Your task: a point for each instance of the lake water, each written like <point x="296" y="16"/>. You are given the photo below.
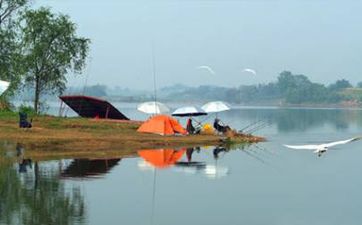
<point x="264" y="183"/>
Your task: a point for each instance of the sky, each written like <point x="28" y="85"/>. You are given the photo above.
<point x="132" y="39"/>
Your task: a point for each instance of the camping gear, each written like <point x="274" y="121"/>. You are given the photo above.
<point x="189" y="111"/>
<point x="161" y="158"/>
<point x="3" y="86"/>
<point x="153" y="108"/>
<point x="207" y="129"/>
<point x="162" y="125"/>
<point x="217" y="106"/>
<point x="91" y="107"/>
<point x="23" y="120"/>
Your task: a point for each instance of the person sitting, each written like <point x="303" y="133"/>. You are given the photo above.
<point x="189" y="127"/>
<point x="220" y="127"/>
<point x="23" y="120"/>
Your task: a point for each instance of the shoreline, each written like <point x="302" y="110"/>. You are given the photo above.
<point x="81" y="135"/>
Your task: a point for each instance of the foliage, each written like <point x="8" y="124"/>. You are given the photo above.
<point x="359" y="85"/>
<point x="10" y="56"/>
<point x="8" y="9"/>
<point x="340" y="84"/>
<point x="289" y="88"/>
<point x="51" y="49"/>
<point x="298" y="89"/>
<point x="40" y="199"/>
<point x="27" y="109"/>
<point x="96" y="90"/>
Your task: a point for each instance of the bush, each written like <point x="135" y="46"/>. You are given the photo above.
<point x="5" y="105"/>
<point x="27" y="109"/>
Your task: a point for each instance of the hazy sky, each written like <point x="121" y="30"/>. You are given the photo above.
<point x="321" y="39"/>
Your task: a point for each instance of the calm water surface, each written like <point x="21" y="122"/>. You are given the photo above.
<point x="259" y="184"/>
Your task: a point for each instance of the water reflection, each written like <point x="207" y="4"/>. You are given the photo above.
<point x="89" y="168"/>
<point x="24" y="163"/>
<point x="182" y="161"/>
<point x="33" y="194"/>
<point x="290" y="119"/>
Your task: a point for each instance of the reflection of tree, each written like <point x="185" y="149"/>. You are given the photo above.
<point x="38" y="199"/>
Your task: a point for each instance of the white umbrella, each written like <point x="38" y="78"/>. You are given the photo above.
<point x="153" y="108"/>
<point x="189" y="111"/>
<point x="217" y="106"/>
<point x="3" y="86"/>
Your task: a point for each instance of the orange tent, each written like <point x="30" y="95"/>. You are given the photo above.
<point x="161" y="158"/>
<point x="163" y="125"/>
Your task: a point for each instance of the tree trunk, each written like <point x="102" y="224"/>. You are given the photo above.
<point x="37" y="94"/>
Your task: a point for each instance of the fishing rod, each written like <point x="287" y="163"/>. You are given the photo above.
<point x="262" y="126"/>
<point x="256" y="126"/>
<point x="250" y="125"/>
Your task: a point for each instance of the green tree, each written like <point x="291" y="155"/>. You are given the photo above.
<point x="51" y="49"/>
<point x="97" y="90"/>
<point x="340" y="84"/>
<point x="9" y="45"/>
<point x="359" y="85"/>
<point x="9" y="9"/>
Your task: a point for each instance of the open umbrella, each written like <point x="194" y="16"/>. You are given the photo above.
<point x="3" y="86"/>
<point x="217" y="106"/>
<point x="189" y="111"/>
<point x="153" y="108"/>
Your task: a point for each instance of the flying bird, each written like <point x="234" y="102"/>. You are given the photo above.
<point x="321" y="148"/>
<point x="208" y="68"/>
<point x="250" y="71"/>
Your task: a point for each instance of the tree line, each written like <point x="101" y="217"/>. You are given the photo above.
<point x="289" y="88"/>
<point x="37" y="49"/>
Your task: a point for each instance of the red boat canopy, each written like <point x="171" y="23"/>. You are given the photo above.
<point x="91" y="107"/>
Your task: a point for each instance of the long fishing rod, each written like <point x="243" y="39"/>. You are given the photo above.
<point x="256" y="126"/>
<point x="259" y="127"/>
<point x="154" y="75"/>
<point x="250" y="125"/>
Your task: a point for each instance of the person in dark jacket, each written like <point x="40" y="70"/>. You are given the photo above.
<point x="220" y="127"/>
<point x="189" y="127"/>
<point x="23" y="120"/>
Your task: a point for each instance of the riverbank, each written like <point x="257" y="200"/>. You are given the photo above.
<point x="84" y="135"/>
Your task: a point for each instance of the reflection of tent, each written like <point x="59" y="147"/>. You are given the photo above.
<point x="89" y="168"/>
<point x="161" y="158"/>
<point x="163" y="125"/>
<point x="91" y="107"/>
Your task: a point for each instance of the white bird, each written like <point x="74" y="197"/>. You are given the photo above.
<point x="321" y="148"/>
<point x="249" y="71"/>
<point x="208" y="68"/>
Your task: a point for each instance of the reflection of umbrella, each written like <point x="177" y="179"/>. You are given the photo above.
<point x="153" y="108"/>
<point x="217" y="106"/>
<point x="214" y="171"/>
<point x="189" y="111"/>
<point x="161" y="158"/>
<point x="3" y="86"/>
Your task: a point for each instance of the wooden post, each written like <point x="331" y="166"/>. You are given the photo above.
<point x="107" y="112"/>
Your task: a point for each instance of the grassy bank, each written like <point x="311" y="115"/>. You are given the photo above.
<point x="80" y="135"/>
